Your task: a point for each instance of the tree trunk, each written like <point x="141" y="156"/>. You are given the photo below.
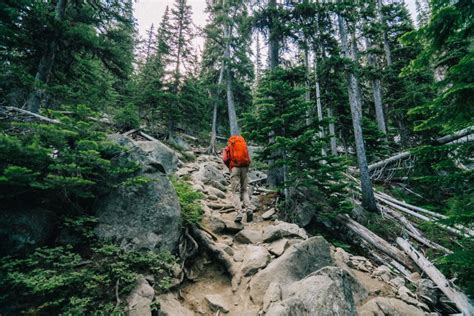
<point x="319" y="106"/>
<point x="377" y="93"/>
<point x="458" y="298"/>
<point x="234" y="127"/>
<point x="212" y="145"/>
<point x="332" y="132"/>
<point x="273" y="44"/>
<point x="275" y="174"/>
<point x="368" y="199"/>
<point x="46" y="64"/>
<point x="307" y="92"/>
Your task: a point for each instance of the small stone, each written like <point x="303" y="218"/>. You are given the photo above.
<point x="283" y="229"/>
<point x="228" y="249"/>
<point x="278" y="247"/>
<point x="239" y="256"/>
<point x="359" y="258"/>
<point x="256" y="257"/>
<point x="214" y="223"/>
<point x="233" y="227"/>
<point x="397" y="282"/>
<point x="216" y="192"/>
<point x="217" y="303"/>
<point x="249" y="236"/>
<point x="268" y="214"/>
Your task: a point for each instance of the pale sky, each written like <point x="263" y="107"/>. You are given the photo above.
<point x="151" y="11"/>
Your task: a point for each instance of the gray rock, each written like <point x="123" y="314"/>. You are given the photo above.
<point x="155" y="157"/>
<point x="397" y="282"/>
<point x="268" y="214"/>
<point x="140" y="299"/>
<point x="214" y="223"/>
<point x="304" y="212"/>
<point x="407" y="296"/>
<point x="216" y="192"/>
<point x="160" y="152"/>
<point x="170" y="306"/>
<point x="297" y="262"/>
<point x="325" y="292"/>
<point x="272" y="295"/>
<point x="255" y="258"/>
<point x="249" y="236"/>
<point x="217" y="303"/>
<point x="145" y="218"/>
<point x="208" y="174"/>
<point x="233" y="227"/>
<point x="282" y="230"/>
<point x="22" y="231"/>
<point x="278" y="247"/>
<point x="388" y="306"/>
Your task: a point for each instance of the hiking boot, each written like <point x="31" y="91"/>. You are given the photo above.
<point x="249" y="216"/>
<point x="238" y="218"/>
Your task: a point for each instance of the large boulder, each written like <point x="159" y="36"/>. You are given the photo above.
<point x="143" y="217"/>
<point x="296" y="263"/>
<point x="327" y="291"/>
<point x="171" y="306"/>
<point x="160" y="152"/>
<point x="22" y="231"/>
<point x="150" y="154"/>
<point x="255" y="258"/>
<point x="381" y="306"/>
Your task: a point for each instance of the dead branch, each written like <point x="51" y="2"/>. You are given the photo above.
<point x="461" y="301"/>
<point x="34" y="115"/>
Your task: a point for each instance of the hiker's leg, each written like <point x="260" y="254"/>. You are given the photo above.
<point x="235" y="188"/>
<point x="244" y="182"/>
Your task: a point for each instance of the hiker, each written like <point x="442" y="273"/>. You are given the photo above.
<point x="236" y="158"/>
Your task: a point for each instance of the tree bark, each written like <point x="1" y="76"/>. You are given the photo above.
<point x="377" y="92"/>
<point x="234" y="127"/>
<point x="458" y="298"/>
<point x="319" y="106"/>
<point x="212" y="145"/>
<point x="46" y="64"/>
<point x="332" y="132"/>
<point x="368" y="199"/>
<point x="273" y="44"/>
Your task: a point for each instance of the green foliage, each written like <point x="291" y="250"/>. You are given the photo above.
<point x="59" y="166"/>
<point x="280" y="108"/>
<point x="189" y="200"/>
<point x="127" y="118"/>
<point x="59" y="280"/>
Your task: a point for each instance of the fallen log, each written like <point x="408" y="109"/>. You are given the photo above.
<point x="35" y="115"/>
<point x="413" y="207"/>
<point x="376" y="241"/>
<point x="257" y="180"/>
<point x="422" y="217"/>
<point x="429" y="243"/>
<point x="464" y="133"/>
<point x="457" y="297"/>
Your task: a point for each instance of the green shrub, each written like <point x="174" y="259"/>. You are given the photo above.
<point x="59" y="166"/>
<point x="127" y="118"/>
<point x="59" y="280"/>
<point x="189" y="200"/>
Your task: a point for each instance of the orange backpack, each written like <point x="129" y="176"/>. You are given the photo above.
<point x="239" y="153"/>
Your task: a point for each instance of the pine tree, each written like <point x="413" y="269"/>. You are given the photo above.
<point x="180" y="57"/>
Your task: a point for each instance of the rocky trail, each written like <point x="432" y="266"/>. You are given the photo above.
<point x="271" y="267"/>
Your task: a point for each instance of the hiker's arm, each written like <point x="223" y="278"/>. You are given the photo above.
<point x="226" y="157"/>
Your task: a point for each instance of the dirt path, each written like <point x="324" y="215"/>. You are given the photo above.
<point x="211" y="291"/>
